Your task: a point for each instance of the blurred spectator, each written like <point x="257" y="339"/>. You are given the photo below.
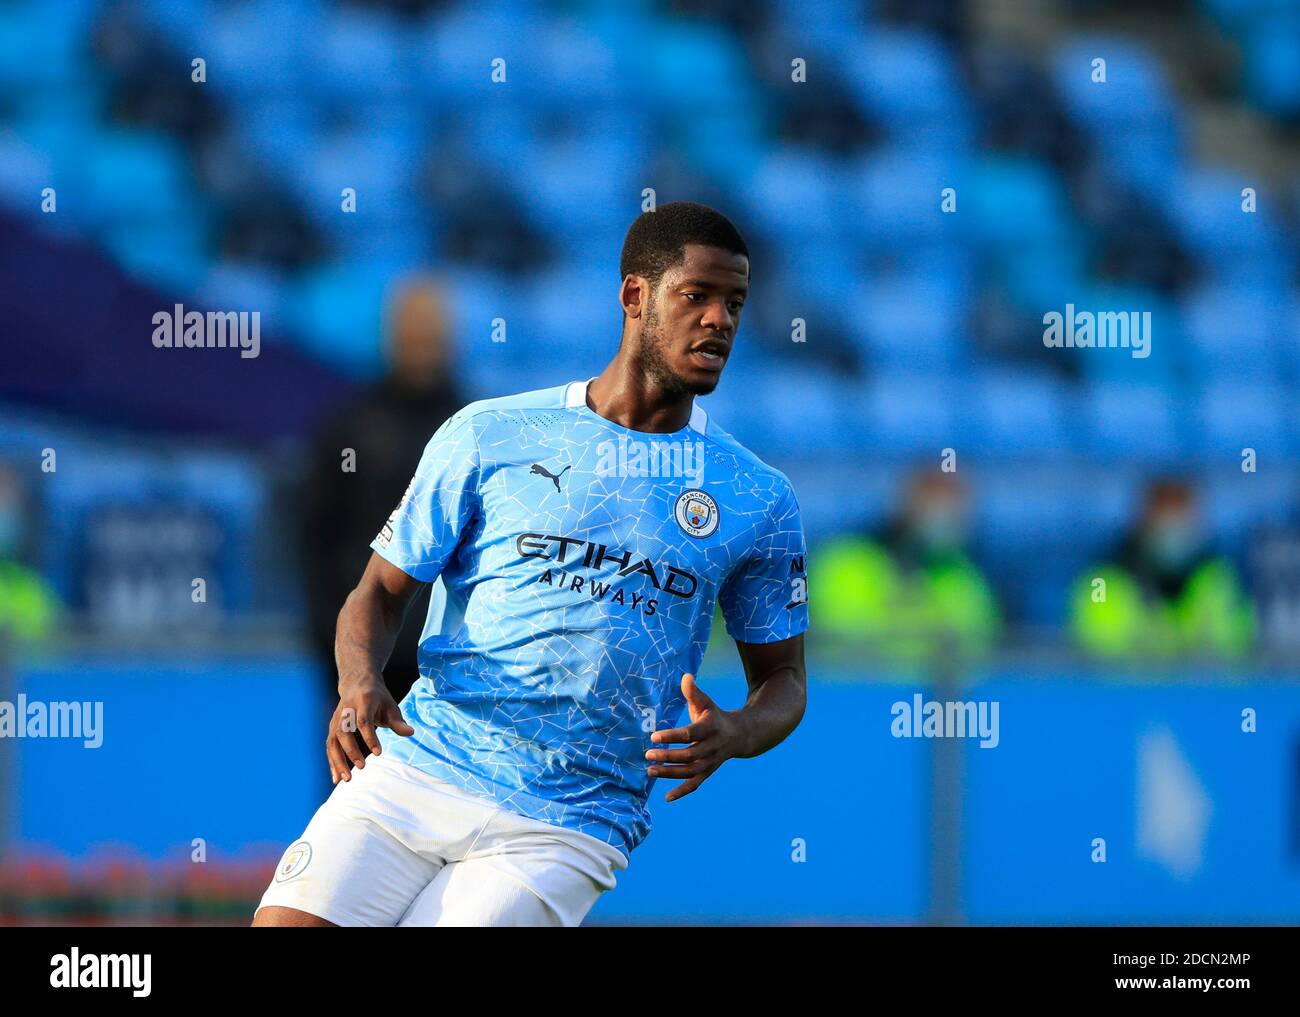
<point x="912" y="591"/>
<point x="1275" y="571"/>
<point x="27" y="604"/>
<point x="1164" y="591"/>
<point x="387" y="427"/>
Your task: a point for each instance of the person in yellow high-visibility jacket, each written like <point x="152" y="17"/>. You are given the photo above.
<point x="911" y="592"/>
<point x="27" y="604"/>
<point x="1164" y="593"/>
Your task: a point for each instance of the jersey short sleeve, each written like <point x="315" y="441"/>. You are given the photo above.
<point x="440" y="503"/>
<point x="765" y="599"/>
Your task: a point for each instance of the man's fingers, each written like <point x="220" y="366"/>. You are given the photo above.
<point x="696" y="769"/>
<point x="339" y="768"/>
<point x="683" y="790"/>
<point x="361" y="717"/>
<point x="690" y="733"/>
<point x="370" y="737"/>
<point x="347" y="741"/>
<point x="677" y="755"/>
<point x="393" y="719"/>
<point x="390" y="716"/>
<point x="695" y="695"/>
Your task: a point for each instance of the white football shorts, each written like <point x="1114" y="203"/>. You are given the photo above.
<point x="394" y="846"/>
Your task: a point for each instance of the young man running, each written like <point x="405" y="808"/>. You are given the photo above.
<point x="578" y="538"/>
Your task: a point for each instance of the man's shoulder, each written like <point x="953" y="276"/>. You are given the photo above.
<point x="498" y="407"/>
<point x="729" y="452"/>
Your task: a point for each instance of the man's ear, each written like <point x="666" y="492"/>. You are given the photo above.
<point x="632" y="295"/>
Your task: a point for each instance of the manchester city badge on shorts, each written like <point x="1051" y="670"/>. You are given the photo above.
<point x="295" y="859"/>
<point x="696" y="512"/>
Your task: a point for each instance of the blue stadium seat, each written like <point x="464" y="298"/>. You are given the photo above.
<point x="909" y="81"/>
<point x="1288" y="345"/>
<point x="573" y="309"/>
<point x="1235" y="506"/>
<point x="1014" y="212"/>
<point x="908" y="322"/>
<point x="779" y="408"/>
<point x="799" y="197"/>
<point x="1010" y="202"/>
<point x="529" y="357"/>
<point x="1167" y="346"/>
<point x="907" y="415"/>
<point x="1133" y="113"/>
<point x="61" y="145"/>
<point x="1234" y="12"/>
<point x="456" y="55"/>
<point x="585" y="186"/>
<point x="503" y="136"/>
<point x="1272" y="58"/>
<point x="829" y="29"/>
<point x="259" y="48"/>
<point x="181" y="23"/>
<point x="359" y="56"/>
<point x="569" y="65"/>
<point x="248" y="286"/>
<point x="171" y="254"/>
<point x="40" y="44"/>
<point x="338" y="314"/>
<point x="684" y="67"/>
<point x="1234" y="416"/>
<point x="1134" y="94"/>
<point x="132" y="175"/>
<point x="25" y="169"/>
<point x="895" y="197"/>
<point x="1132" y="422"/>
<point x="1205" y="207"/>
<point x="283" y="134"/>
<point x="1042" y="276"/>
<point x="1236" y="332"/>
<point x="808" y="282"/>
<point x="1022" y="415"/>
<point x="379" y="167"/>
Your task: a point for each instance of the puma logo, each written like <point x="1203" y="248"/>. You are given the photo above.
<point x="542" y="471"/>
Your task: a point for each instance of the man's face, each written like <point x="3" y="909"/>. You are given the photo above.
<point x="691" y="320"/>
<point x="936" y="513"/>
<point x="1172" y="535"/>
<point x="418" y="338"/>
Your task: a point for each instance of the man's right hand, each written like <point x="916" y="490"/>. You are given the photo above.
<point x="363" y="706"/>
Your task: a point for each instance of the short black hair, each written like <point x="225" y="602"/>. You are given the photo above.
<point x="655" y="242"/>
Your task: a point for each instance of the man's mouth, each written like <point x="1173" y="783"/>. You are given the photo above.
<point x="710" y="356"/>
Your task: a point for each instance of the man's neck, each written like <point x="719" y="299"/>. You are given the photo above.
<point x="622" y="394"/>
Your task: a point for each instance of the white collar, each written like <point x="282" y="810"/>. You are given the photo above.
<point x="575" y="394"/>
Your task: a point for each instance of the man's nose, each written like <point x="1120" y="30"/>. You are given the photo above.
<point x="717" y="316"/>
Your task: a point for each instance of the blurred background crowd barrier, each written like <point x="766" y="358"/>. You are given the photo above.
<point x="424" y="203"/>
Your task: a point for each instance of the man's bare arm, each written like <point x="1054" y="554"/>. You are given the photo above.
<point x="370" y="620"/>
<point x="778" y="692"/>
<point x="775" y="705"/>
<point x="367" y="629"/>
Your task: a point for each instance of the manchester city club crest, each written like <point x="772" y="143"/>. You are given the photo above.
<point x="294" y="861"/>
<point x="697" y="513"/>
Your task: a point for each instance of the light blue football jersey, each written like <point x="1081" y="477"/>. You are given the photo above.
<point x="576" y="566"/>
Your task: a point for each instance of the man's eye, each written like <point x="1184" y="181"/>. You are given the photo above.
<point x="692" y="296"/>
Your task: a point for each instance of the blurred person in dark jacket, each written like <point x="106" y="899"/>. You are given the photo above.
<point x="348" y="497"/>
<point x="1164" y="591"/>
